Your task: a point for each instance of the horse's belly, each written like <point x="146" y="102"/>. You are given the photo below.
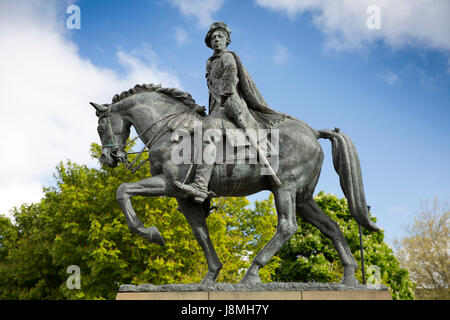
<point x="238" y="180"/>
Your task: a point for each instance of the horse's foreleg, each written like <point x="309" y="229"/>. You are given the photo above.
<point x="286" y="228"/>
<point x="196" y="218"/>
<point x="311" y="212"/>
<point x="155" y="186"/>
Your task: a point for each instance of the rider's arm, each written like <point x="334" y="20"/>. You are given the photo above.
<point x="229" y="77"/>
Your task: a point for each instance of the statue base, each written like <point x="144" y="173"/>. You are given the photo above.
<point x="262" y="291"/>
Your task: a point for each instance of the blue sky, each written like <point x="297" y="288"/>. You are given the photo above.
<point x="387" y="88"/>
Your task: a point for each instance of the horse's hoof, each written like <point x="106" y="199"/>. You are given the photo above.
<point x="251" y="279"/>
<point x="207" y="280"/>
<point x="152" y="235"/>
<point x="211" y="276"/>
<point x="349" y="277"/>
<point x="157" y="237"/>
<point x="349" y="280"/>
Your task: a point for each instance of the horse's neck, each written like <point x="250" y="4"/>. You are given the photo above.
<point x="152" y="111"/>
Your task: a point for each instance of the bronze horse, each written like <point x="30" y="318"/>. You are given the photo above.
<point x="152" y="109"/>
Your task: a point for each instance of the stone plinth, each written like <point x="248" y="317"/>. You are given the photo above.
<point x="263" y="291"/>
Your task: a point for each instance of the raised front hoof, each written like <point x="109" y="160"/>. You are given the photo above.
<point x="251" y="279"/>
<point x="151" y="234"/>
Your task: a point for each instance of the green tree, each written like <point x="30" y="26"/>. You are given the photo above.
<point x="310" y="256"/>
<point x="78" y="222"/>
<point x="425" y="251"/>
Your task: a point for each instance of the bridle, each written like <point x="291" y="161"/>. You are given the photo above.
<point x="113" y="144"/>
<point x="148" y="145"/>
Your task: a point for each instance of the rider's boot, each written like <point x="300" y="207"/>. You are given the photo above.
<point x="198" y="189"/>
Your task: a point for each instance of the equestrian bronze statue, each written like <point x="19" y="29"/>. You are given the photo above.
<point x="167" y="118"/>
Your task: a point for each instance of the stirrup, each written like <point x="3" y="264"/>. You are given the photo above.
<point x="201" y="199"/>
<point x="198" y="195"/>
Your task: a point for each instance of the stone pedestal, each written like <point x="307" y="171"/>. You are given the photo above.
<point x="264" y="291"/>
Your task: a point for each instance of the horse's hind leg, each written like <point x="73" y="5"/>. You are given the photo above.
<point x="155" y="186"/>
<point x="310" y="211"/>
<point x="286" y="228"/>
<point x="196" y="217"/>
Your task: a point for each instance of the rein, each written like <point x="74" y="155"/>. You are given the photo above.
<point x="148" y="145"/>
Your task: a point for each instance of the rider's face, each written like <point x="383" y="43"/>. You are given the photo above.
<point x="218" y="41"/>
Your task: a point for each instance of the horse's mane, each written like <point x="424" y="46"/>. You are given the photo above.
<point x="182" y="96"/>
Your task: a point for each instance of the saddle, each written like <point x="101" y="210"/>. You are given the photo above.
<point x="232" y="144"/>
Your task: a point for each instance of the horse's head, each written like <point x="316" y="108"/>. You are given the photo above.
<point x="113" y="131"/>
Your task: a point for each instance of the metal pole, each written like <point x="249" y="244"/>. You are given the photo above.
<point x="362" y="254"/>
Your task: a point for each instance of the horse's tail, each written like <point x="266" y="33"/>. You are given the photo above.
<point x="346" y="163"/>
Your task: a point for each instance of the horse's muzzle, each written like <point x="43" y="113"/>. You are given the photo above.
<point x="108" y="159"/>
<point x="120" y="155"/>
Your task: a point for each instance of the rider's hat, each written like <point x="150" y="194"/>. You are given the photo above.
<point x="217" y="26"/>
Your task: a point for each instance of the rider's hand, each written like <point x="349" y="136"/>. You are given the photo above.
<point x="225" y="97"/>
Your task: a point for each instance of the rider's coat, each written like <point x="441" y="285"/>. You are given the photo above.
<point x="222" y="79"/>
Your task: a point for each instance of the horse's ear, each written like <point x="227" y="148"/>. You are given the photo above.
<point x="99" y="107"/>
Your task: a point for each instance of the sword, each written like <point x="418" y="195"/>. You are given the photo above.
<point x="233" y="112"/>
<point x="262" y="156"/>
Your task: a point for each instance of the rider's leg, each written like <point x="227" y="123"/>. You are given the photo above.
<point x="198" y="189"/>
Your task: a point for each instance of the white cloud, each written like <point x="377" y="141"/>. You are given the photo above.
<point x="390" y="78"/>
<point x="142" y="67"/>
<point x="290" y="7"/>
<point x="403" y="22"/>
<point x="45" y="87"/>
<point x="181" y="36"/>
<point x="281" y="54"/>
<point x="202" y="10"/>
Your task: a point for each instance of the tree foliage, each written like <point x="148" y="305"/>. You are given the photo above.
<point x="425" y="251"/>
<point x="310" y="256"/>
<point x="78" y="222"/>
